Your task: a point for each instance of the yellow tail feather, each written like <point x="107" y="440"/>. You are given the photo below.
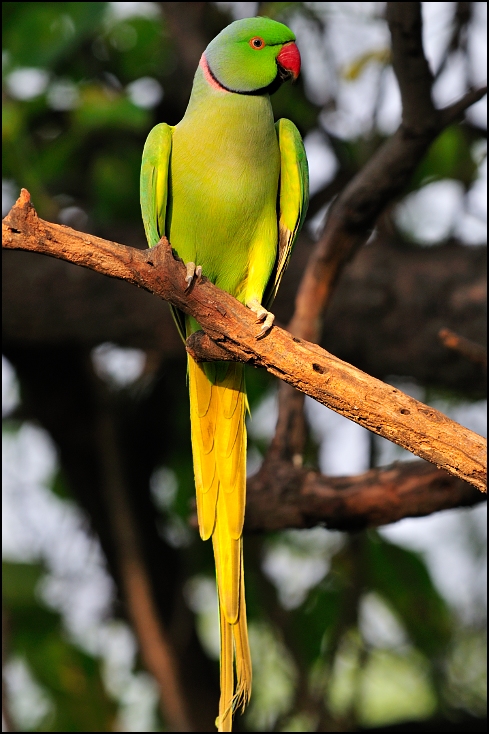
<point x="224" y="721"/>
<point x="242" y="647"/>
<point x="217" y="410"/>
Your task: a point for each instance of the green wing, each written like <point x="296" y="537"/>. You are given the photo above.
<point x="292" y="201"/>
<point x="154" y="185"/>
<point x="154" y="182"/>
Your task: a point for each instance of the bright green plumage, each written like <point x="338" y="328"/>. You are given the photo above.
<point x="229" y="189"/>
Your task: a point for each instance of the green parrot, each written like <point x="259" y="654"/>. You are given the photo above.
<point x="229" y="189"/>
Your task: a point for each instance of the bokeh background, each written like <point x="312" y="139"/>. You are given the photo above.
<point x="348" y="631"/>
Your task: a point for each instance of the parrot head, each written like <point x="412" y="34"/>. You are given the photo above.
<point x="251" y="56"/>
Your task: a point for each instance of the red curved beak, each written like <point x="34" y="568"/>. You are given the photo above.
<point x="289" y="59"/>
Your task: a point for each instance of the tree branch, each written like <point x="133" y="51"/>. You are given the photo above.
<point x="379" y="319"/>
<point x="282" y="496"/>
<point x="454" y="112"/>
<point x="379" y="407"/>
<point x="353" y="214"/>
<point x="411" y="67"/>
<point x="475" y="352"/>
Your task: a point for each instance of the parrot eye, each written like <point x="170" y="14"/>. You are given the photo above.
<point x="257" y="42"/>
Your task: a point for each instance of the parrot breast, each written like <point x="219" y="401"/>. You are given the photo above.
<point x="224" y="173"/>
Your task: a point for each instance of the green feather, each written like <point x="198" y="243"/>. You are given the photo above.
<point x="154" y="182"/>
<point x="292" y="201"/>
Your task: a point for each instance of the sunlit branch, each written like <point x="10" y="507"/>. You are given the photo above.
<point x="381" y="408"/>
<point x="355" y="211"/>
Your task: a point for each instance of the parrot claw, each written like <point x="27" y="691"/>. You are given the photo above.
<point x="193" y="275"/>
<point x="263" y="317"/>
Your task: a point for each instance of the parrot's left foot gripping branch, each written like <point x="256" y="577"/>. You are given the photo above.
<point x="194" y="274"/>
<point x="263" y="317"/>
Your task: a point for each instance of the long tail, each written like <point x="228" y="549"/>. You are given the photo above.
<point x="217" y="412"/>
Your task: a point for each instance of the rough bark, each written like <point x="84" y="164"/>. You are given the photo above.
<point x="384" y="316"/>
<point x="381" y="408"/>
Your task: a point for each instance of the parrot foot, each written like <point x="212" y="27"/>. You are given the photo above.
<point x="263" y="317"/>
<point x="193" y="275"/>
